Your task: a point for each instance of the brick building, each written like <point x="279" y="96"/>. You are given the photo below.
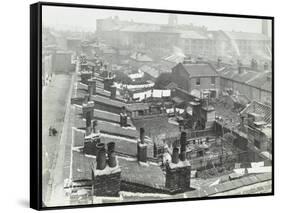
<point x="197" y="78"/>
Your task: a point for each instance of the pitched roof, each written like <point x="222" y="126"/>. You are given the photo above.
<point x="117" y="130"/>
<point x="81" y="167"/>
<point x="252" y="78"/>
<point x="149" y="174"/>
<point x="137" y="106"/>
<point x="131" y="170"/>
<point x="200" y="70"/>
<point x="108" y="101"/>
<point x="150" y="70"/>
<point x="259" y="108"/>
<point x="142" y="57"/>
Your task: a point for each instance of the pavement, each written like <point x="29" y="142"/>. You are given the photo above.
<point x="54" y="105"/>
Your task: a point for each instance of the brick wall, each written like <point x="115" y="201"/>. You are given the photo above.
<point x="178" y="179"/>
<point x="107" y="185"/>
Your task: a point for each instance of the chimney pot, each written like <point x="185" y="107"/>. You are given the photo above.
<point x="113" y="90"/>
<point x="92" y="85"/>
<point x="175" y="155"/>
<point x="101" y="158"/>
<point x="142" y="135"/>
<point x="183" y="146"/>
<point x="111" y="154"/>
<point x="123" y="117"/>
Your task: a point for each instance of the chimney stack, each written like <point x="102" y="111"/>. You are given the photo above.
<point x="92" y="85"/>
<point x="142" y="147"/>
<point x="113" y="91"/>
<point x="175" y="155"/>
<point x="183" y="146"/>
<point x="106" y="178"/>
<point x="101" y="158"/>
<point x="123" y="117"/>
<point x="86" y="99"/>
<point x="85" y="76"/>
<point x="142" y="135"/>
<point x="111" y="155"/>
<point x="177" y="174"/>
<point x="108" y="82"/>
<point x="88" y="113"/>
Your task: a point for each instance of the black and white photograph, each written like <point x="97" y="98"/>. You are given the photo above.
<point x="151" y="106"/>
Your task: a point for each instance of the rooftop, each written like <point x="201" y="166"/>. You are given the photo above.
<point x="262" y="109"/>
<point x="108" y="101"/>
<point x="200" y="70"/>
<point x="141" y="57"/>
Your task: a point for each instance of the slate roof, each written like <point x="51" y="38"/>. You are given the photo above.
<point x="108" y="101"/>
<point x="137" y="106"/>
<point x="149" y="175"/>
<point x="81" y="167"/>
<point x="150" y="70"/>
<point x="200" y="70"/>
<point x="116" y="129"/>
<point x="260" y="80"/>
<point x="78" y="137"/>
<point x="230" y="186"/>
<point x="131" y="171"/>
<point x="259" y="108"/>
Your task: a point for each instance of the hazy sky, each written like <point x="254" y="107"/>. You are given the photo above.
<point x="85" y="19"/>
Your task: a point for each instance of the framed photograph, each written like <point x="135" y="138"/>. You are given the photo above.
<point x="134" y="105"/>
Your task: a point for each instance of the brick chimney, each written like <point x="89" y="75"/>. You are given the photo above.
<point x="92" y="85"/>
<point x="88" y="113"/>
<point x="108" y="82"/>
<point x="183" y="146"/>
<point x="101" y="156"/>
<point x="91" y="141"/>
<point x="111" y="155"/>
<point x="266" y="66"/>
<point x="85" y="76"/>
<point x="178" y="173"/>
<point x="142" y="148"/>
<point x="123" y="117"/>
<point x="106" y="176"/>
<point x="113" y="91"/>
<point x="86" y="99"/>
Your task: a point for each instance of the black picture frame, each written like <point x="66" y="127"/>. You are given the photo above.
<point x="36" y="102"/>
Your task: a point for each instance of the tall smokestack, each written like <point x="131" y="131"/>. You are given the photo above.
<point x="264" y="26"/>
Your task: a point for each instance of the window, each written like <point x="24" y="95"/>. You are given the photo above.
<point x="197" y="81"/>
<point x="213" y="80"/>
